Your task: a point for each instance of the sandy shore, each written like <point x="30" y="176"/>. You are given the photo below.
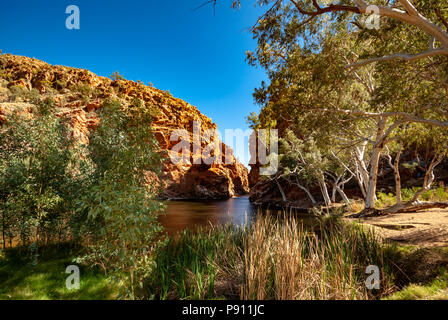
<point x="424" y="229"/>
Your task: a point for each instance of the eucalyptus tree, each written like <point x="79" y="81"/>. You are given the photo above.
<point x="304" y="164"/>
<point x="434" y="141"/>
<point x="326" y="46"/>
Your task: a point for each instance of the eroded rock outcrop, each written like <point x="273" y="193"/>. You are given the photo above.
<point x="79" y="95"/>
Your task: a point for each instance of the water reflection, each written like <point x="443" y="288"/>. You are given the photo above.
<point x="192" y="214"/>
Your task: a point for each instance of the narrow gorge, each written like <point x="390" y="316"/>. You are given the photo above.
<point x="79" y="96"/>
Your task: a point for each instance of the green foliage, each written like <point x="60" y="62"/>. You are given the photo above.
<point x="39" y="177"/>
<point x="385" y="200"/>
<point x="84" y="90"/>
<point x="313" y="92"/>
<point x="302" y="157"/>
<point x="17" y="92"/>
<point x="53" y="189"/>
<point x="439" y="194"/>
<point x="116" y="76"/>
<point x="188" y="267"/>
<point x="425" y="274"/>
<point x="120" y="211"/>
<point x="252" y="120"/>
<point x="436" y="290"/>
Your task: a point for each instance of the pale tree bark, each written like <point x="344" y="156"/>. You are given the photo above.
<point x="324" y="190"/>
<point x="410" y="16"/>
<point x="339" y="182"/>
<point x="281" y="191"/>
<point x="362" y="173"/>
<point x="381" y="140"/>
<point x="343" y="195"/>
<point x="374" y="163"/>
<point x="395" y="166"/>
<point x="308" y="193"/>
<point x="296" y="181"/>
<point x="429" y="178"/>
<point x="279" y="186"/>
<point x="414" y="204"/>
<point x="338" y="187"/>
<point x="306" y="190"/>
<point x="359" y="179"/>
<point x="319" y="176"/>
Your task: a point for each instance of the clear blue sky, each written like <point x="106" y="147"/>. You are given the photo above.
<point x="198" y="55"/>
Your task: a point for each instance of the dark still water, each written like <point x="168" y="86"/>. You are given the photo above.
<point x="192" y="214"/>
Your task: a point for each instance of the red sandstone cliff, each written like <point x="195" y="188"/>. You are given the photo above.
<point x="79" y="94"/>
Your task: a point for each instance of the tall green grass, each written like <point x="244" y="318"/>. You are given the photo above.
<point x="288" y="260"/>
<point x="272" y="259"/>
<point x="189" y="265"/>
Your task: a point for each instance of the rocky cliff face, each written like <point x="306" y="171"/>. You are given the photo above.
<point x="79" y="95"/>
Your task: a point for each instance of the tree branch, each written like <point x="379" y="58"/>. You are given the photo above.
<point x="409" y="7"/>
<point x="320" y="11"/>
<point x="414" y="19"/>
<point x="406" y="116"/>
<point x="444" y="21"/>
<point x="410" y="16"/>
<point x="402" y="56"/>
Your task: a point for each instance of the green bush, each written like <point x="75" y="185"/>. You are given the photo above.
<point x="39" y="177"/>
<point x="116" y="76"/>
<point x="119" y="214"/>
<point x="17" y="92"/>
<point x="438" y="194"/>
<point x="54" y="189"/>
<point x="385" y="200"/>
<point x="85" y="91"/>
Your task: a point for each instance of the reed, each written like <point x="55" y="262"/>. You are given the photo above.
<point x="287" y="261"/>
<point x="274" y="258"/>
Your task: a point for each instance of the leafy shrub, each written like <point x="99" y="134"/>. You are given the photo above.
<point x="17" y="92"/>
<point x="116" y="76"/>
<point x="38" y="177"/>
<point x="84" y="90"/>
<point x="119" y="214"/>
<point x="438" y="194"/>
<point x="53" y="189"/>
<point x="60" y="84"/>
<point x="385" y="200"/>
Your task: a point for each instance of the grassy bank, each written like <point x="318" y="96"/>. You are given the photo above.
<point x="437" y="289"/>
<point x="272" y="259"/>
<point x="23" y="278"/>
<point x="425" y="275"/>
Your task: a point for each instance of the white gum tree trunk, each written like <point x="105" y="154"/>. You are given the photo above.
<point x="374" y="163"/>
